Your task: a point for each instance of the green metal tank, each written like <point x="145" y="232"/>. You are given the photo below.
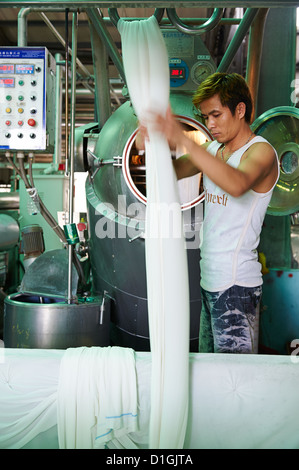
<point x="116" y="204"/>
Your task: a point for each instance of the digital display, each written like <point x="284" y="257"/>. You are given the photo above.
<point x="7" y="82"/>
<point x="7" y="68"/>
<point x="177" y="72"/>
<point x="25" y="68"/>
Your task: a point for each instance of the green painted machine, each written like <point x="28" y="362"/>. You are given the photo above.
<point x="104" y="274"/>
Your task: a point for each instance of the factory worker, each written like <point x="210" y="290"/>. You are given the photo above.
<point x="240" y="171"/>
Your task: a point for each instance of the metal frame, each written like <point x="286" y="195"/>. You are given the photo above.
<point x="155" y="4"/>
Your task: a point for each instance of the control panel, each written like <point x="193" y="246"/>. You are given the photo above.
<point x="27" y="109"/>
<point x="190" y="61"/>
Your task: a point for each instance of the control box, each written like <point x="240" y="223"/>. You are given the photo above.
<point x="27" y="93"/>
<point x="190" y="61"/>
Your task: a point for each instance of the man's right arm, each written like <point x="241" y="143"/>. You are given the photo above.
<point x="184" y="167"/>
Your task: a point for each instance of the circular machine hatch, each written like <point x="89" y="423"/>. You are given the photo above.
<point x="134" y="165"/>
<point x="280" y="126"/>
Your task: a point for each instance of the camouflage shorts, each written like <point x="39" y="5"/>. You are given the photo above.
<point x="229" y="321"/>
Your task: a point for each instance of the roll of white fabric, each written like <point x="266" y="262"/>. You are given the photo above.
<point x="147" y="74"/>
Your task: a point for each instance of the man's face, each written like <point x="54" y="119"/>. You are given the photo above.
<point x="219" y="119"/>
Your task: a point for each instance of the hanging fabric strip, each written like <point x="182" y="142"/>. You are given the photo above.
<point x="147" y="74"/>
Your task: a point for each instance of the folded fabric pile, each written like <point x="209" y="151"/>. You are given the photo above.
<point x="97" y="398"/>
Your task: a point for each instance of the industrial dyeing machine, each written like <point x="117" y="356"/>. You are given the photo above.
<point x="112" y="257"/>
<point x="88" y="289"/>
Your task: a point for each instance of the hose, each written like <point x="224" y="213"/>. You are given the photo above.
<point x="44" y="211"/>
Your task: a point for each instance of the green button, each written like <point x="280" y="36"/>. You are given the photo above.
<point x="8" y="97"/>
<point x="21" y="82"/>
<point x="21" y="98"/>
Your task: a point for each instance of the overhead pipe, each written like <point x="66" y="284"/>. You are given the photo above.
<point x="100" y="27"/>
<point x="52" y="28"/>
<point x="165" y="22"/>
<point x="210" y="24"/>
<point x="22" y="21"/>
<point x="22" y="33"/>
<point x="236" y="41"/>
<point x="153" y="3"/>
<point x="254" y="55"/>
<point x="114" y="16"/>
<point x="101" y="77"/>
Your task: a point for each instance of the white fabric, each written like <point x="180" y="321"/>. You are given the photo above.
<point x="236" y="401"/>
<point x="146" y="68"/>
<point x="28" y="395"/>
<point x="97" y="398"/>
<point x="231" y="231"/>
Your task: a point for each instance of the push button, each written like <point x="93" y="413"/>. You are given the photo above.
<point x="20" y="123"/>
<point x="8" y="110"/>
<point x="31" y="122"/>
<point x="8" y="123"/>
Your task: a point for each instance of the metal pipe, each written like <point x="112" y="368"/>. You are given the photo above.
<point x="254" y="54"/>
<point x="114" y="16"/>
<point x="155" y="3"/>
<point x="210" y="24"/>
<point x="72" y="147"/>
<point x="22" y="26"/>
<point x="101" y="77"/>
<point x="58" y="36"/>
<point x="58" y="112"/>
<point x="236" y="41"/>
<point x="22" y="34"/>
<point x="66" y="96"/>
<point x="99" y="25"/>
<point x="22" y="21"/>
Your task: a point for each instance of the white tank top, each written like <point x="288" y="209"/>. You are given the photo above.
<point x="230" y="232"/>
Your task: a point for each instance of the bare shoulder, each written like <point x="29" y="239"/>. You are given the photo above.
<point x="262" y="160"/>
<point x="262" y="152"/>
<point x="262" y="148"/>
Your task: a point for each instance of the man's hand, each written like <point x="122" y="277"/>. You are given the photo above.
<point x="167" y="125"/>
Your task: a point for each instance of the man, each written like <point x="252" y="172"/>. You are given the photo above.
<point x="240" y="171"/>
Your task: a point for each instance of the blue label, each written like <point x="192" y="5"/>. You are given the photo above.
<point x="22" y="52"/>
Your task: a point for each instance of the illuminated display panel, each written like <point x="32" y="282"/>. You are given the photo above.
<point x="25" y="68"/>
<point x="7" y="68"/>
<point x="7" y="82"/>
<point x="177" y="72"/>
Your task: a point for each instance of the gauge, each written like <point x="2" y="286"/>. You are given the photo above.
<point x="201" y="70"/>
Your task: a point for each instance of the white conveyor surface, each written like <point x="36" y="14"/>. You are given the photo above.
<point x="235" y="402"/>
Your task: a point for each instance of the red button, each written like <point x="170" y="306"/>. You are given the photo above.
<point x="20" y="123"/>
<point x="81" y="226"/>
<point x="31" y="122"/>
<point x="8" y="123"/>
